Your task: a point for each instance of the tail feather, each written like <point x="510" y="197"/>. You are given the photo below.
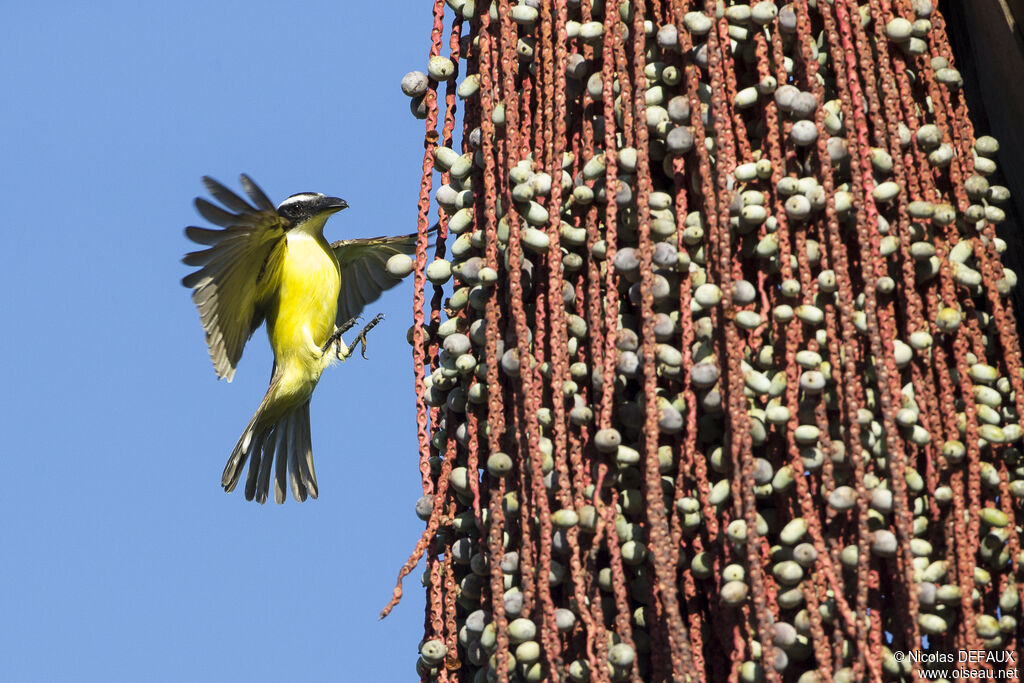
<point x="295" y="439"/>
<point x="304" y="454"/>
<point x="254" y="467"/>
<point x="288" y="439"/>
<point x="245" y="448"/>
<point x="269" y="448"/>
<point x="284" y="442"/>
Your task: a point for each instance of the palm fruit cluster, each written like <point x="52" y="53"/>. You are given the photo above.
<point x="717" y="375"/>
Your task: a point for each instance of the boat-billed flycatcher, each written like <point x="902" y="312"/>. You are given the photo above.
<point x="275" y="265"/>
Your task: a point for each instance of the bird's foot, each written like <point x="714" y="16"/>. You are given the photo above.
<point x="361" y="337"/>
<point x="336" y="337"/>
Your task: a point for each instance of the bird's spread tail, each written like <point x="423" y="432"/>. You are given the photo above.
<point x="289" y="440"/>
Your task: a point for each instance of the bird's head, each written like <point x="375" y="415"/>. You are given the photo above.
<point x="310" y="210"/>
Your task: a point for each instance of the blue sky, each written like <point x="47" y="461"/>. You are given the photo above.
<point x="122" y="557"/>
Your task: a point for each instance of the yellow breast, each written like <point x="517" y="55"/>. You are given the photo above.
<point x="307" y="302"/>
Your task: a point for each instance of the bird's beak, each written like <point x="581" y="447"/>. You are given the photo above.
<point x="333" y="204"/>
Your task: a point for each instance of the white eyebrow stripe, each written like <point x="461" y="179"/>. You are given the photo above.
<point x="300" y="198"/>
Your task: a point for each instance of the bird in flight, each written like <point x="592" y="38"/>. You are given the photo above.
<point x="274" y="265"/>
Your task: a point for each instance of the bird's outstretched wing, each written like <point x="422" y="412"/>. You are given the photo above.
<point x="230" y="287"/>
<point x="363" y="272"/>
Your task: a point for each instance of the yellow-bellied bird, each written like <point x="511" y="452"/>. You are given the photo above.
<point x="275" y="265"/>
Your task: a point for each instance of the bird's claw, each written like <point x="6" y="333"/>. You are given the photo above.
<point x="361" y="337"/>
<point x="336" y="337"/>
